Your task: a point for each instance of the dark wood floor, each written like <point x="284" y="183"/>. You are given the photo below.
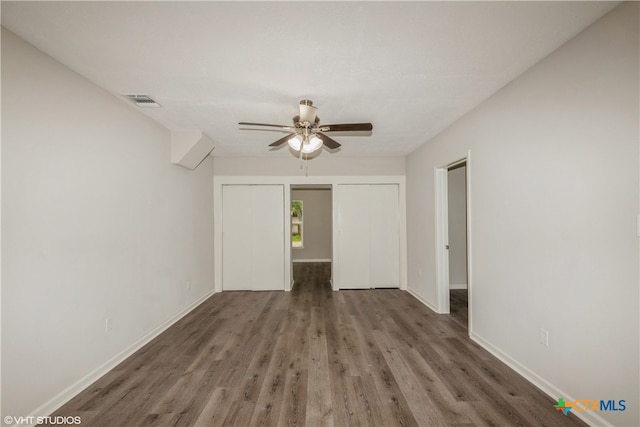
<point x="459" y="306"/>
<point x="313" y="357"/>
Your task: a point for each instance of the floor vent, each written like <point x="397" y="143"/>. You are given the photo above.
<point x="143" y="101"/>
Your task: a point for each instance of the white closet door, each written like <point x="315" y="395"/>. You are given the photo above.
<point x="253" y="237"/>
<point x="268" y="244"/>
<point x="353" y="239"/>
<point x="384" y="236"/>
<point x="236" y="250"/>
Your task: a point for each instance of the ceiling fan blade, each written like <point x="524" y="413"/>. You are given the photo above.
<point x="328" y="142"/>
<point x="269" y="129"/>
<point x="264" y="124"/>
<point x="281" y="140"/>
<point x="347" y="127"/>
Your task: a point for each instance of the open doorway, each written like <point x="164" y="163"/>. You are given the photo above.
<point x="453" y="242"/>
<point x="311" y="235"/>
<point x="457" y="242"/>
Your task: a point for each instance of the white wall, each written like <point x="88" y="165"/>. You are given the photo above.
<point x="96" y="224"/>
<point x="554" y="197"/>
<point x="457" y="208"/>
<point x="317" y="215"/>
<point x="324" y="165"/>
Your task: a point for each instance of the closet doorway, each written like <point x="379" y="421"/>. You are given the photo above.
<point x="311" y="235"/>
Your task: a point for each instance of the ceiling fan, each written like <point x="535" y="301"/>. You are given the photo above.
<point x="307" y="134"/>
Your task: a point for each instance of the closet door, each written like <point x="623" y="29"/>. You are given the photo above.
<point x="384" y="236"/>
<point x="236" y="224"/>
<point x="353" y="239"/>
<point x="253" y="237"/>
<point x="268" y="244"/>
<point x="369" y="236"/>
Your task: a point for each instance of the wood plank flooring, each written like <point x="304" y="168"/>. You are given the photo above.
<point x="313" y="357"/>
<point x="459" y="306"/>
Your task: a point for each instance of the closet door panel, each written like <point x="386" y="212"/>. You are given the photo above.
<point x="236" y="235"/>
<point x="384" y="246"/>
<point x="268" y="245"/>
<point x="353" y="244"/>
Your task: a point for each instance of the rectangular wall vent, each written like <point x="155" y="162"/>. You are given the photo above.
<point x="143" y="101"/>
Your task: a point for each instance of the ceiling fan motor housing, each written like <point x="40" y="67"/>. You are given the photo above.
<point x="307" y="112"/>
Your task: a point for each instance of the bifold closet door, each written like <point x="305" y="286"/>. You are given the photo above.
<point x="236" y="220"/>
<point x="268" y="244"/>
<point x="253" y="237"/>
<point x="369" y="236"/>
<point x="384" y="240"/>
<point x="353" y="239"/>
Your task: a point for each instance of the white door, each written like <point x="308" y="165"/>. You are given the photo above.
<point x="268" y="244"/>
<point x="253" y="242"/>
<point x="369" y="236"/>
<point x="236" y="251"/>
<point x="353" y="238"/>
<point x="384" y="223"/>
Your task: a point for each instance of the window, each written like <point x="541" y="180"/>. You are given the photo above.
<point x="296" y="224"/>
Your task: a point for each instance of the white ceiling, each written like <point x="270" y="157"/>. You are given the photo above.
<point x="410" y="68"/>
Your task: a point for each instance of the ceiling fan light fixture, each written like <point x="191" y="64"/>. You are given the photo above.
<point x="295" y="142"/>
<point x="314" y="144"/>
<point x="308" y="145"/>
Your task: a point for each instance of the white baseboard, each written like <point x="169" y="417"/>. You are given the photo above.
<point x="422" y="300"/>
<point x="55" y="403"/>
<point x="312" y="260"/>
<point x="592" y="418"/>
<point x="457" y="286"/>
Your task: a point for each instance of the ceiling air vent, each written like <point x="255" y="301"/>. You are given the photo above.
<point x="143" y="101"/>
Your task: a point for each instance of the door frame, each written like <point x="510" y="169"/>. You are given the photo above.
<point x="287" y="181"/>
<point x="442" y="235"/>
<point x="306" y="186"/>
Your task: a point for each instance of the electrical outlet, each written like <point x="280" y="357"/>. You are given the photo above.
<point x="188" y="285"/>
<point x="544" y="337"/>
<point x="419" y="272"/>
<point x="108" y="324"/>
